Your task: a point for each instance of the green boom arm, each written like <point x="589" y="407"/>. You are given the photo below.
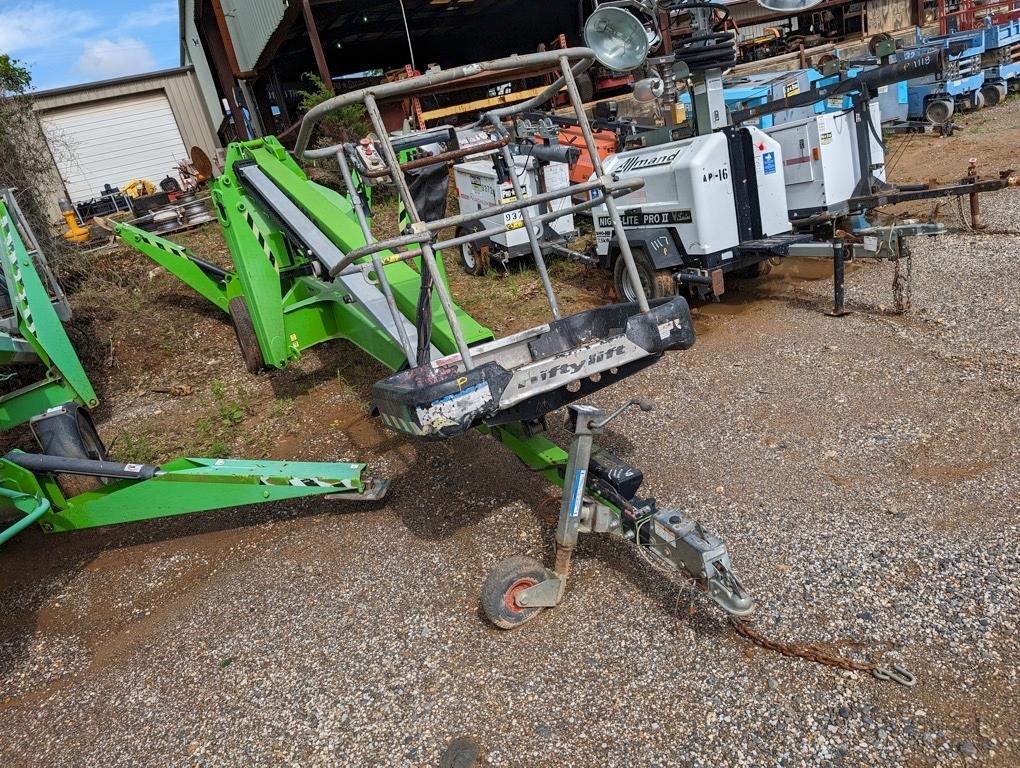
<point x="180" y="487"/>
<point x="291" y="314"/>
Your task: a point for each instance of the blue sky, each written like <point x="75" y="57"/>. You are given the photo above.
<point x="65" y="42"/>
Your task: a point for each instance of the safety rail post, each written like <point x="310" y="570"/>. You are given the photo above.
<point x="384" y="283"/>
<point x="611" y="209"/>
<point x="428" y="256"/>
<point x="536" y="249"/>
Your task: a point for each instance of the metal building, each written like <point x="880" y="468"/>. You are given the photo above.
<point x="115" y="131"/>
<point x="258" y="51"/>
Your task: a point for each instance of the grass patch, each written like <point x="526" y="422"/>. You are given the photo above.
<point x="133" y="449"/>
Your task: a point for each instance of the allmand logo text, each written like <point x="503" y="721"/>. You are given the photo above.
<point x="637" y="163"/>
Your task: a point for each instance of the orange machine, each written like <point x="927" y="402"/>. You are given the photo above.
<point x="606" y="143"/>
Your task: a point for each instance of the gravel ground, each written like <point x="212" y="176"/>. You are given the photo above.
<point x="862" y="470"/>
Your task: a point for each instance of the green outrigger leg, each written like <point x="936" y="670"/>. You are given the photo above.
<point x="32" y="333"/>
<point x="179" y="487"/>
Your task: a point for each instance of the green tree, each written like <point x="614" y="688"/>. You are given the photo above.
<point x="14" y="78"/>
<point x="26" y="165"/>
<point x="348" y="123"/>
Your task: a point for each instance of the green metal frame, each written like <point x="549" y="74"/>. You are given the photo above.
<point x="182" y="487"/>
<point x="40" y="338"/>
<point x="293" y="313"/>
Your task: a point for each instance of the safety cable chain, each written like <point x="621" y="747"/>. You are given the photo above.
<point x="811" y="652"/>
<point x="808" y="652"/>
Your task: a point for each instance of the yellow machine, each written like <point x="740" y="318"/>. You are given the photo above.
<point x="139" y="188"/>
<point x="75" y="233"/>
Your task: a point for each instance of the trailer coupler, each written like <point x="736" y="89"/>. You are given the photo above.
<point x="685" y="546"/>
<point x="600" y="496"/>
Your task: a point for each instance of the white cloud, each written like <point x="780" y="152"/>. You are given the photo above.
<point x="33" y="26"/>
<point x="157" y="14"/>
<point x="107" y="58"/>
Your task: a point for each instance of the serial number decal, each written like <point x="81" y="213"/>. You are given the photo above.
<point x="512" y="219"/>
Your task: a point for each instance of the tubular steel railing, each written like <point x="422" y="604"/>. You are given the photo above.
<point x="599" y="191"/>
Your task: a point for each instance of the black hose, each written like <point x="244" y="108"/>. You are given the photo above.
<point x="871" y="125"/>
<point x="720" y="52"/>
<point x="423" y="316"/>
<point x="708" y="50"/>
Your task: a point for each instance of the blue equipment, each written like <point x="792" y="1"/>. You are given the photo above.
<point x="1001" y="60"/>
<point x="936" y="97"/>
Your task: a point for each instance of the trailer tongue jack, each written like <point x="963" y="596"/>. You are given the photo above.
<point x="517" y="589"/>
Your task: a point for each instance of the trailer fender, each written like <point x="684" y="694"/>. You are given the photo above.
<point x="660" y="243"/>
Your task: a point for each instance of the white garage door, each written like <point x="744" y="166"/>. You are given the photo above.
<point x="113" y="142"/>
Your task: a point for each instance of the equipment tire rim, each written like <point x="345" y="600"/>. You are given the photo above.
<point x="467" y="254"/>
<point x="628" y="289"/>
<point x="510" y="599"/>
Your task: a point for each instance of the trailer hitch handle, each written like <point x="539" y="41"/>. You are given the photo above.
<point x="640" y="402"/>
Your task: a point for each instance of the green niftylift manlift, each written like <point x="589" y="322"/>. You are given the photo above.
<point x="308" y="269"/>
<point x="70" y="484"/>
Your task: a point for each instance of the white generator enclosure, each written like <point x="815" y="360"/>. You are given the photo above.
<point x="478" y="187"/>
<point x="823" y="163"/>
<point x="113" y="141"/>
<point x="714" y="192"/>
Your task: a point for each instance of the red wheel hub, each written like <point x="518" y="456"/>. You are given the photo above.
<point x="515" y="589"/>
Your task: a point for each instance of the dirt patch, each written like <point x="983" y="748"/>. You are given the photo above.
<point x="989" y="136"/>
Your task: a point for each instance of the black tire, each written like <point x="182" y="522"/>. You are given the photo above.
<point x="939" y="111"/>
<point x="75" y="438"/>
<point x="472" y="258"/>
<point x="977" y="101"/>
<point x="992" y="95"/>
<point x="656" y="283"/>
<point x="246" y="338"/>
<point x="501" y="586"/>
<point x="585" y="87"/>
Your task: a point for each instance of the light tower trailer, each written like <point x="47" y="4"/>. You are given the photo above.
<point x="541" y="165"/>
<point x="706" y="213"/>
<point x="716" y="204"/>
<point x="824" y="202"/>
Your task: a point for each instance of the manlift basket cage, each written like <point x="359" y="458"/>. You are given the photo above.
<point x="522" y="376"/>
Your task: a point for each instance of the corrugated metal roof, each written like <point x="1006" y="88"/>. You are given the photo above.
<point x="251" y="24"/>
